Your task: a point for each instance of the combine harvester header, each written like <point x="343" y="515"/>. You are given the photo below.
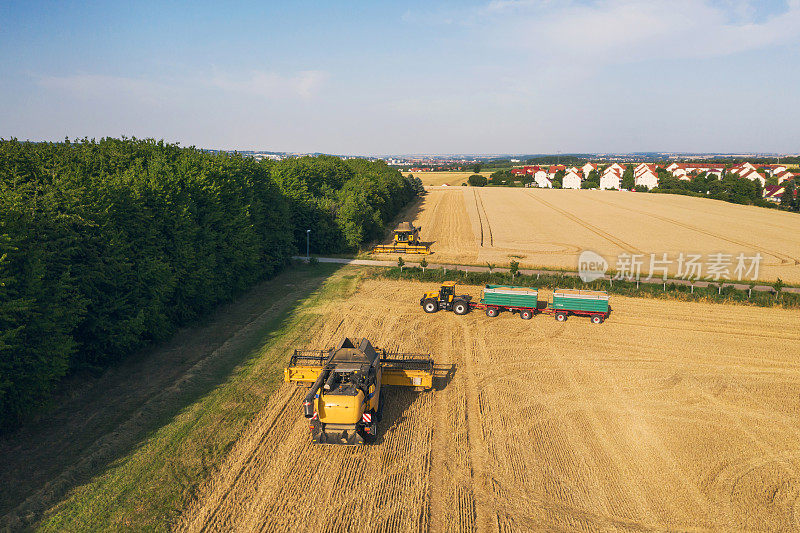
<point x="406" y="241"/>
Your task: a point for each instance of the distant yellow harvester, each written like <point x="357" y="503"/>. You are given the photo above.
<point x="406" y="241"/>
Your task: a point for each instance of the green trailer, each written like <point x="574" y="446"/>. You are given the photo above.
<point x="498" y="298"/>
<point x="593" y="304"/>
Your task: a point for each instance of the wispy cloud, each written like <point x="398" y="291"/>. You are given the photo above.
<point x="260" y="84"/>
<point x="603" y="32"/>
<point x="304" y="83"/>
<point x="619" y="31"/>
<point x="93" y="86"/>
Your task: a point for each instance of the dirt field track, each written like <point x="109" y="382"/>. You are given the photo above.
<point x="549" y="228"/>
<point x="669" y="416"/>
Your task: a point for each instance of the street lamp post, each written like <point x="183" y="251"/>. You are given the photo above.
<point x="308" y="240"/>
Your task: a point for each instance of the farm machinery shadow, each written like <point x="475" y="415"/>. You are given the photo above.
<point x="398" y="400"/>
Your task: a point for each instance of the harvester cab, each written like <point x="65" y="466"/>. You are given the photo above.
<point x="446" y="299"/>
<point x="406" y="241"/>
<point x="406" y="233"/>
<point x="344" y="403"/>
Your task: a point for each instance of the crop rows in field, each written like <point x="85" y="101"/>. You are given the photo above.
<point x="549" y="228"/>
<point x="670" y="415"/>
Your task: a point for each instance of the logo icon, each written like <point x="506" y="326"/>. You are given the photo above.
<point x="591" y="266"/>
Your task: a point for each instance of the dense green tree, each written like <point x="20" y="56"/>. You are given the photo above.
<point x="628" y="181"/>
<point x="476" y="180"/>
<point x="788" y="199"/>
<point x="558" y="179"/>
<point x="106" y="246"/>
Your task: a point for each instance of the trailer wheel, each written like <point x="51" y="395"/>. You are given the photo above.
<point x="525" y="314"/>
<point x="492" y="312"/>
<point x="430" y="306"/>
<point x="460" y="307"/>
<point x="561" y="317"/>
<point x="597" y="319"/>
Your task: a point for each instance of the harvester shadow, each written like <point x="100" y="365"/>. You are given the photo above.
<point x="398" y="400"/>
<point x="442" y="375"/>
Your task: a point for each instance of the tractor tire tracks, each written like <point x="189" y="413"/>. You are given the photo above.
<point x="783" y="258"/>
<point x="480" y="207"/>
<point x="594" y="229"/>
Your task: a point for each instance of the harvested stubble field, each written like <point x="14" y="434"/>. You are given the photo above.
<point x="670" y="415"/>
<point x="549" y="228"/>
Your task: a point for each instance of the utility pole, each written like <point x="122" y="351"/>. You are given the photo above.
<point x="308" y="241"/>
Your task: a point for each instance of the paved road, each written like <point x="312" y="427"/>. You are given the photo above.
<point x="529" y="272"/>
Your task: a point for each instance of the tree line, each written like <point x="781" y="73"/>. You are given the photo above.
<point x="107" y="246"/>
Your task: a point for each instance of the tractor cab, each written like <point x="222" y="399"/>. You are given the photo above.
<point x="447" y="291"/>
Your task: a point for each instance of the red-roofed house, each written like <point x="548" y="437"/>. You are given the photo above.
<point x="572" y="179"/>
<point x="551" y="172"/>
<point x="587" y="168"/>
<point x="644" y="167"/>
<point x="752" y="175"/>
<point x="541" y="179"/>
<point x="616" y="166"/>
<point x="774" y="193"/>
<point x="648" y="178"/>
<point x="611" y="180"/>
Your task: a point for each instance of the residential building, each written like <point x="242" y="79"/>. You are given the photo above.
<point x="572" y="179"/>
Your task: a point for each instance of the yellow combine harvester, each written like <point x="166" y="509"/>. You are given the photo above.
<point x="406" y="241"/>
<point x="344" y="403"/>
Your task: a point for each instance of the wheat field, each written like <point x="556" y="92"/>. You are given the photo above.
<point x="452" y="178"/>
<point x="549" y="228"/>
<point x="668" y="416"/>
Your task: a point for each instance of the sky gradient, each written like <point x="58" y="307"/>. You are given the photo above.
<point x="503" y="76"/>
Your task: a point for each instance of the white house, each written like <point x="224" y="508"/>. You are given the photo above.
<point x="783" y="176"/>
<point x="551" y="172"/>
<point x="541" y="179"/>
<point x="644" y="167"/>
<point x="617" y="167"/>
<point x="648" y="179"/>
<point x="610" y="180"/>
<point x="671" y="168"/>
<point x="752" y="175"/>
<point x="743" y="168"/>
<point x="572" y="180"/>
<point x="776" y="169"/>
<point x="587" y="168"/>
<point x="680" y="173"/>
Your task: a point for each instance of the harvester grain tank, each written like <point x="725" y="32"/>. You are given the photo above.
<point x="406" y="240"/>
<point x="345" y="402"/>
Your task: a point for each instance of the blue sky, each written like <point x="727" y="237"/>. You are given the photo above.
<point x="524" y="76"/>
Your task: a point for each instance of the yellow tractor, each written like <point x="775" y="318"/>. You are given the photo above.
<point x="344" y="403"/>
<point x="406" y="241"/>
<point x="446" y="299"/>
